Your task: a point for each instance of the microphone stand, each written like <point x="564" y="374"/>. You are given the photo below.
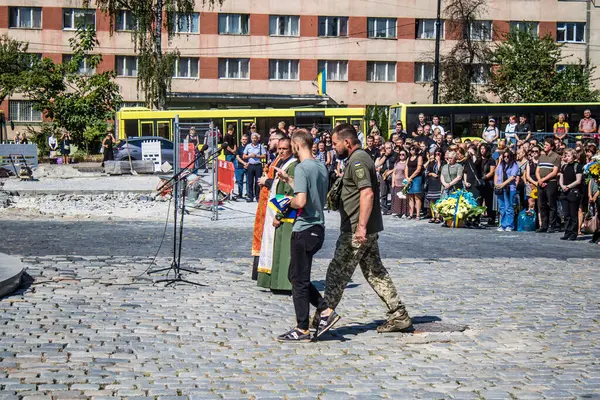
<point x="178" y="241"/>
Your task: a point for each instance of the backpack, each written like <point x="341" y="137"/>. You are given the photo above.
<point x="334" y="196"/>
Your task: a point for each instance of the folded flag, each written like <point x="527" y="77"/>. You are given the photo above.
<point x="281" y="204"/>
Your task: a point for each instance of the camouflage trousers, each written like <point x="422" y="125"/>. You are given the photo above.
<point x="349" y="254"/>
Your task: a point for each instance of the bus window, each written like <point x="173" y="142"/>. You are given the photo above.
<point x="539" y="123"/>
<point x="394" y="117"/>
<point x="131" y="128"/>
<point x="164" y="129"/>
<point x="501" y="122"/>
<point x="478" y="124"/>
<point x="308" y="122"/>
<point x="338" y="121"/>
<point x="462" y="124"/>
<point x="574" y="119"/>
<point x="147" y="128"/>
<point x="359" y="122"/>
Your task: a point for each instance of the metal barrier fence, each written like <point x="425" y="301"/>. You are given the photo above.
<point x="14" y="151"/>
<point x="198" y="140"/>
<point x="571" y="138"/>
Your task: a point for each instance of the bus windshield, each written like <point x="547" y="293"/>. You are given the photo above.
<point x="395" y="116"/>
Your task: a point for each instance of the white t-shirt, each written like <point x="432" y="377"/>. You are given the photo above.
<point x="490" y="133"/>
<point x="510" y="131"/>
<point x="441" y="128"/>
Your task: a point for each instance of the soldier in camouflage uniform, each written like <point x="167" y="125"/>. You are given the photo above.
<point x="358" y="241"/>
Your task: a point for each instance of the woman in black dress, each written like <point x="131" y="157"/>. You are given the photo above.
<point x="472" y="178"/>
<point x="434" y="185"/>
<point x="487" y="169"/>
<point x="107" y="147"/>
<point x="66" y="147"/>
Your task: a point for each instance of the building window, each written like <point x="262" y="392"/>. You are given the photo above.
<point x="127" y="65"/>
<point x="283" y="70"/>
<point x="25" y="18"/>
<point x="335" y="70"/>
<point x="234" y="68"/>
<point x="381" y="27"/>
<point x="424" y="72"/>
<point x="186" y="23"/>
<point x="75" y="17"/>
<point x="233" y="24"/>
<point x="333" y="26"/>
<point x="82" y="67"/>
<point x="380" y="71"/>
<point x="22" y="111"/>
<point x="570" y="32"/>
<point x="525" y="26"/>
<point x="426" y="29"/>
<point x="284" y="25"/>
<point x="125" y="21"/>
<point x="480" y="30"/>
<point x="128" y="104"/>
<point x="186" y="67"/>
<point x="481" y="74"/>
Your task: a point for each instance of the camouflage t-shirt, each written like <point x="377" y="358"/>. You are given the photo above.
<point x="359" y="173"/>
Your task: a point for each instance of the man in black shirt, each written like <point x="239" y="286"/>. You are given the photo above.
<point x="420" y="124"/>
<point x="523" y="128"/>
<point x="421" y="137"/>
<point x="241" y="167"/>
<point x="371" y="149"/>
<point x="386" y="163"/>
<point x="231" y="147"/>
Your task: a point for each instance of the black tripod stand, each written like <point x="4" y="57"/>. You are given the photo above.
<point x="180" y="178"/>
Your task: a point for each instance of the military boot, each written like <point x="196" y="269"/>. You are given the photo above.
<point x="399" y="322"/>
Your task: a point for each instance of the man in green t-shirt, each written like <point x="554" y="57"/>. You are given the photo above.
<point x="358" y="240"/>
<point x="310" y="192"/>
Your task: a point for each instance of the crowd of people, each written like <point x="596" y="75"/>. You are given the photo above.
<point x="505" y="171"/>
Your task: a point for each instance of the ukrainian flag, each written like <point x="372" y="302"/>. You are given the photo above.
<point x="322" y="83"/>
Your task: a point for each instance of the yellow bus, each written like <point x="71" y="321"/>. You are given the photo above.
<point x="141" y="121"/>
<point x="469" y="120"/>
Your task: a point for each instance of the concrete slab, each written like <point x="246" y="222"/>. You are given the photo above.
<point x="11" y="270"/>
<point x="84" y="185"/>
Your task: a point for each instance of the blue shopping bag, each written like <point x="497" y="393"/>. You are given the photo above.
<point x="527" y="221"/>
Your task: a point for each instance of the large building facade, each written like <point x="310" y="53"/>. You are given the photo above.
<point x="268" y="53"/>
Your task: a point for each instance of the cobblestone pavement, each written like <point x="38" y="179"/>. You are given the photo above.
<point x="85" y="328"/>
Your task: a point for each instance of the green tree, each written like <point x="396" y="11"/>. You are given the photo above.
<point x="72" y="94"/>
<point x="462" y="65"/>
<point x="15" y="64"/>
<point x="380" y="115"/>
<point x="155" y="66"/>
<point x="526" y="72"/>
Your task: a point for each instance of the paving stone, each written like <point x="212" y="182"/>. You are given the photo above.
<point x="489" y="323"/>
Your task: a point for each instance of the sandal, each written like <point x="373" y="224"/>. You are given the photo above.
<point x="432" y="221"/>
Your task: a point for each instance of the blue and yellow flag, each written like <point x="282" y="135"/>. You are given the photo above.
<point x="322" y="83"/>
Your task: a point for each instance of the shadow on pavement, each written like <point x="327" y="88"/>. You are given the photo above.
<point x="420" y="324"/>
